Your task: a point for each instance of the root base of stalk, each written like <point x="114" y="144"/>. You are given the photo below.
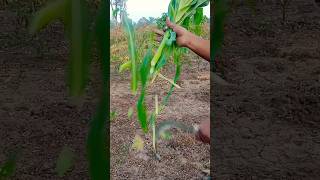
<point x="157" y="156"/>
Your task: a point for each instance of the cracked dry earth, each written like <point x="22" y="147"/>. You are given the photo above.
<point x="267" y="126"/>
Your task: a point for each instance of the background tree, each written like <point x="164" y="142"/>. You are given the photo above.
<point x="117" y="8"/>
<point x="152" y="20"/>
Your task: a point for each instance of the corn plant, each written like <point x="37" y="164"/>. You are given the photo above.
<point x="161" y="21"/>
<point x="82" y="31"/>
<point x="117" y="6"/>
<point x="145" y="71"/>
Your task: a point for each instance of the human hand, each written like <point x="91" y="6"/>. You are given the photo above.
<point x="184" y="37"/>
<point x="159" y="33"/>
<point x="203" y="133"/>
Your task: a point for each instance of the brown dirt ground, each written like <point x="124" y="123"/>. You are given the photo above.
<point x="267" y="125"/>
<point x="182" y="157"/>
<point x="36" y="114"/>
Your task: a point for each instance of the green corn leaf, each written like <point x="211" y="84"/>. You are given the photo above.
<point x="125" y="66"/>
<point x="97" y="140"/>
<point x="192" y="10"/>
<point x="184" y="50"/>
<point x="141" y="107"/>
<point x="201" y="4"/>
<point x="198" y="16"/>
<point x="184" y="7"/>
<point x="186" y="23"/>
<point x="80" y="46"/>
<point x="75" y="17"/>
<point x="158" y="54"/>
<point x="142" y="112"/>
<point x="65" y="161"/>
<point x="49" y="13"/>
<point x="177" y="56"/>
<point x="9" y="167"/>
<point x="198" y="20"/>
<point x="127" y="24"/>
<point x="161" y="62"/>
<point x="144" y="70"/>
<point x="171" y="10"/>
<point x="172" y="38"/>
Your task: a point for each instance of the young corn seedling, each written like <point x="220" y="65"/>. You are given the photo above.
<point x="180" y="12"/>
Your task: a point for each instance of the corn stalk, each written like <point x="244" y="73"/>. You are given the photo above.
<point x="180" y="12"/>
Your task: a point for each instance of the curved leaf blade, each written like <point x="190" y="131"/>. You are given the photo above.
<point x="127" y="24"/>
<point x="98" y="142"/>
<point x="80" y="46"/>
<point x="142" y="112"/>
<point x="65" y="161"/>
<point x="49" y="13"/>
<point x="125" y="66"/>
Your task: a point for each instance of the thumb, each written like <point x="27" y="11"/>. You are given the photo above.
<point x="170" y="24"/>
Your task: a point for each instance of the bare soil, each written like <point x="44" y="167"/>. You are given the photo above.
<point x="267" y="125"/>
<point x="182" y="157"/>
<point x="37" y="116"/>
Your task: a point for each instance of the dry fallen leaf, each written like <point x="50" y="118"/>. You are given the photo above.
<point x="206" y="171"/>
<point x="138" y="143"/>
